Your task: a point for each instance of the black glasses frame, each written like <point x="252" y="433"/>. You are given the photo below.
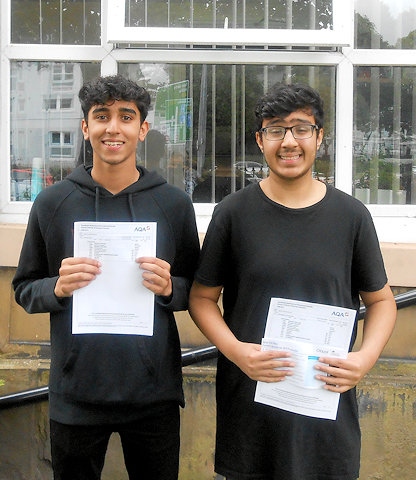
<point x="265" y="129"/>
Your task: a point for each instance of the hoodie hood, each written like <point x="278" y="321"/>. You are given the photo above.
<point x="84" y="182"/>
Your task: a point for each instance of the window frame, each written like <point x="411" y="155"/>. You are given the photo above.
<point x="338" y="36"/>
<point x="394" y="223"/>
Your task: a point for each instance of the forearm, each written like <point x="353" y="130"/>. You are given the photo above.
<point x="379" y="323"/>
<point x="37" y="296"/>
<point x="208" y="317"/>
<point x="265" y="366"/>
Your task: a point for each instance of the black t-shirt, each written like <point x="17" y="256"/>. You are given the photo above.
<point x="257" y="249"/>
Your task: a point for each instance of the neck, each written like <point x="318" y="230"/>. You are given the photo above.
<point x="293" y="194"/>
<point x="115" y="180"/>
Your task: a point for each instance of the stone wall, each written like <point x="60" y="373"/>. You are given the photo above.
<point x="387" y="402"/>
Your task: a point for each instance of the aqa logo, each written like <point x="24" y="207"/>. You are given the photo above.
<point x="339" y="314"/>
<point x="142" y="229"/>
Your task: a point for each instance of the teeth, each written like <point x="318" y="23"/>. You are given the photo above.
<point x="290" y="157"/>
<point x="113" y="144"/>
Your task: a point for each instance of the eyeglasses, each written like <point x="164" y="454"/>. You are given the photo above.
<point x="299" y="132"/>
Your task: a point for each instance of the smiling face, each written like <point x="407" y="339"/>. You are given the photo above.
<point x="290" y="159"/>
<point x="114" y="130"/>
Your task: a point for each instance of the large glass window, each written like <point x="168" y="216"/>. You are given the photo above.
<point x="274" y="14"/>
<point x="66" y="22"/>
<point x="273" y="23"/>
<point x="384" y="165"/>
<point x="202" y="135"/>
<point x="384" y="135"/>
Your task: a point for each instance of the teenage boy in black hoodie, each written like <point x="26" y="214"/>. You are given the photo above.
<point x="105" y="383"/>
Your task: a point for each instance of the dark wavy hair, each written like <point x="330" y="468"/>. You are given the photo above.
<point x="103" y="90"/>
<point x="281" y="100"/>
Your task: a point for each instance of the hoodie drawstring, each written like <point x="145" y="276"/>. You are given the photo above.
<point x="133" y="217"/>
<point x="97" y="205"/>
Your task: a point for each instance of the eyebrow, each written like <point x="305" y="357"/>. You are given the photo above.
<point x="282" y="120"/>
<point x="121" y="110"/>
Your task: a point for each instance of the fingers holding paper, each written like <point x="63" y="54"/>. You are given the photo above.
<point x="75" y="273"/>
<point x="156" y="275"/>
<point x="340" y="375"/>
<point x="264" y="366"/>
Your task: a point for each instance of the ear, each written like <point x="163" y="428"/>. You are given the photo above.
<point x="84" y="128"/>
<point x="144" y="128"/>
<point x="259" y="140"/>
<point x="319" y="138"/>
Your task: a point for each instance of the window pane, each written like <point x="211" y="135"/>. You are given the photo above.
<point x="384" y="137"/>
<point x="202" y="135"/>
<point x="68" y="22"/>
<point x="308" y="14"/>
<point x="44" y="141"/>
<point x="385" y="24"/>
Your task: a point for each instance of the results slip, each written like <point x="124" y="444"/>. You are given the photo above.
<point x="116" y="301"/>
<point x="308" y="331"/>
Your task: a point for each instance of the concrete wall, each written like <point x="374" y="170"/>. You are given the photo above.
<point x="387" y="399"/>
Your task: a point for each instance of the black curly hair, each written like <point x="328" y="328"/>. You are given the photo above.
<point x="103" y="90"/>
<point x="281" y="100"/>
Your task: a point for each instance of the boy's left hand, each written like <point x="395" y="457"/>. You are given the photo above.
<point x="342" y="374"/>
<point x="156" y="275"/>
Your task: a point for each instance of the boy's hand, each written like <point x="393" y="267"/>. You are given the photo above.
<point x="75" y="273"/>
<point x="156" y="275"/>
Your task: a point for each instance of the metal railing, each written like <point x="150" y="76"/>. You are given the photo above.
<point x="41" y="393"/>
<point x="190" y="357"/>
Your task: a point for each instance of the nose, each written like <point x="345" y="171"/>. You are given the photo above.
<point x="112" y="125"/>
<point x="289" y="139"/>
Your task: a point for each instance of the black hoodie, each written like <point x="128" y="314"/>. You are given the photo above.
<point x="105" y="372"/>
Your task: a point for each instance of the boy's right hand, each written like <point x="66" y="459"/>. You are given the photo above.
<point x="262" y="365"/>
<point x="75" y="273"/>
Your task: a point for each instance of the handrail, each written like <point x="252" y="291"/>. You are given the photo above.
<point x="190" y="357"/>
<point x="41" y="393"/>
<point x="19" y="398"/>
<point x="199" y="355"/>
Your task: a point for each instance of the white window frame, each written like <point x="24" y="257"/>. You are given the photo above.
<point x="394" y="223"/>
<point x="337" y="36"/>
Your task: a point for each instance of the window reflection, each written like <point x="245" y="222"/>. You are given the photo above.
<point x="68" y="22"/>
<point x="202" y="122"/>
<point x="201" y="137"/>
<point x="45" y="137"/>
<point x="384" y="137"/>
<point x="381" y="24"/>
<point x="308" y="14"/>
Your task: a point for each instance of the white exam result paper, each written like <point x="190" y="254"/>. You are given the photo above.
<point x="116" y="301"/>
<point x="308" y="331"/>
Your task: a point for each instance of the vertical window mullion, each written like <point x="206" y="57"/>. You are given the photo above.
<point x="213" y="128"/>
<point x="344" y="125"/>
<point x="374" y="131"/>
<point x="413" y="152"/>
<point x="233" y="125"/>
<point x="289" y="14"/>
<point x="289" y="22"/>
<point x="61" y="14"/>
<point x="40" y="23"/>
<point x="243" y="120"/>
